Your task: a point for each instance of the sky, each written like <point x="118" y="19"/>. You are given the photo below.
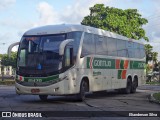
<point x="18" y="16"/>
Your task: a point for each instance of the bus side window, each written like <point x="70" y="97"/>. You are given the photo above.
<point x="88" y="46"/>
<point x="101" y="45"/>
<point x="137" y="50"/>
<point x="112" y="46"/>
<point x="130" y="49"/>
<point x="68" y="56"/>
<point x="142" y="51"/>
<point x="121" y="48"/>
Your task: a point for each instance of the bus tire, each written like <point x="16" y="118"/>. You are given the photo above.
<point x="43" y="97"/>
<point x="134" y="86"/>
<point x="128" y="88"/>
<point x="83" y="90"/>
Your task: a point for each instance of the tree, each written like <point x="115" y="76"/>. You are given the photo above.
<point x="148" y="51"/>
<point x="6" y="61"/>
<point x="124" y="22"/>
<point x="150" y="56"/>
<point x="154" y="57"/>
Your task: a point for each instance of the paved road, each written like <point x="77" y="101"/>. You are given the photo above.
<point x="103" y="101"/>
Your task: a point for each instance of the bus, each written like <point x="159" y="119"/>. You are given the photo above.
<point x="76" y="59"/>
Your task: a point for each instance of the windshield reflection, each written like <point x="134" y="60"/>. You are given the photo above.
<point x="40" y="53"/>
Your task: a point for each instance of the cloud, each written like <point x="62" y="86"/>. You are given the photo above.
<point x="78" y="10"/>
<point x="73" y="13"/>
<point x="47" y="14"/>
<point x="4" y="4"/>
<point x="153" y="28"/>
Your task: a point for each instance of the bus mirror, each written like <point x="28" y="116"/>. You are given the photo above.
<point x="63" y="44"/>
<point x="10" y="48"/>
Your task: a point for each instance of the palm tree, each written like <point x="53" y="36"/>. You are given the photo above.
<point x="154" y="57"/>
<point x="148" y="51"/>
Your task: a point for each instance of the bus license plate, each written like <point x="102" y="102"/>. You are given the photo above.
<point x="35" y="90"/>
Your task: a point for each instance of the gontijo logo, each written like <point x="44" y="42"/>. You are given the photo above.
<point x="100" y="63"/>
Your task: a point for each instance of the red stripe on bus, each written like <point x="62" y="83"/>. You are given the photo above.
<point x="124" y="74"/>
<point x="126" y="62"/>
<point x="117" y="64"/>
<point x="91" y="62"/>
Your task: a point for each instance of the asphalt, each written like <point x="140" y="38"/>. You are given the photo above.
<point x="155" y="89"/>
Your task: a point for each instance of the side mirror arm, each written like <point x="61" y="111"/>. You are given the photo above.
<point x="10" y="48"/>
<point x="63" y="44"/>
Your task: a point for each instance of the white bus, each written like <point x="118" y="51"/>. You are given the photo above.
<point x="75" y="59"/>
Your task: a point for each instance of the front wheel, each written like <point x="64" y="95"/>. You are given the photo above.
<point x="83" y="90"/>
<point x="43" y="97"/>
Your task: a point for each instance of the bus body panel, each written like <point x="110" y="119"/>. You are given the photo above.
<point x="104" y="72"/>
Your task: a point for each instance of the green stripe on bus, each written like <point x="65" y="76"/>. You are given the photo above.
<point x="40" y="79"/>
<point x="119" y="74"/>
<point x="88" y="62"/>
<point x="122" y="64"/>
<point x="137" y="65"/>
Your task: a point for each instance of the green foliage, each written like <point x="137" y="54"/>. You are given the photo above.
<point x="1" y="56"/>
<point x="154" y="57"/>
<point x="153" y="83"/>
<point x="148" y="50"/>
<point x="6" y="61"/>
<point x="157" y="96"/>
<point x="149" y="54"/>
<point x="124" y="22"/>
<point x="147" y="68"/>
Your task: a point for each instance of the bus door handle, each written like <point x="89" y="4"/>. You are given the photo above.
<point x="96" y="77"/>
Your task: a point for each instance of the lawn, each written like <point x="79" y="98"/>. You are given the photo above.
<point x="153" y="83"/>
<point x="157" y="96"/>
<point x="7" y="82"/>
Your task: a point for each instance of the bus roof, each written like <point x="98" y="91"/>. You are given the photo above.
<point x="64" y="28"/>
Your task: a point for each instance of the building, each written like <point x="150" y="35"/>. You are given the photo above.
<point x="8" y="70"/>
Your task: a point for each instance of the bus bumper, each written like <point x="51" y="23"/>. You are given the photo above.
<point x="54" y="89"/>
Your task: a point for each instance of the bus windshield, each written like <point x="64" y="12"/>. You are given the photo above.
<point x="40" y="53"/>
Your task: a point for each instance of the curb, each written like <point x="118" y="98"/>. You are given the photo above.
<point x="152" y="99"/>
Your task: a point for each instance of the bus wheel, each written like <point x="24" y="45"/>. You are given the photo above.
<point x="134" y="86"/>
<point x="43" y="97"/>
<point x="128" y="88"/>
<point x="83" y="90"/>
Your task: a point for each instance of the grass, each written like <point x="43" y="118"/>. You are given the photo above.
<point x="7" y="82"/>
<point x="157" y="96"/>
<point x="153" y="83"/>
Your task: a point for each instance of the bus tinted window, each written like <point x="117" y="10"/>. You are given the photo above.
<point x="130" y="49"/>
<point x="121" y="48"/>
<point x="112" y="47"/>
<point x="142" y="51"/>
<point x="137" y="50"/>
<point x="88" y="46"/>
<point x="101" y="45"/>
<point x="76" y="36"/>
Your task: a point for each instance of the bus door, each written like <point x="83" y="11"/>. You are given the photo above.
<point x="68" y="63"/>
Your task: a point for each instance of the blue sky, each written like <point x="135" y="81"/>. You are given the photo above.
<point x="17" y="16"/>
